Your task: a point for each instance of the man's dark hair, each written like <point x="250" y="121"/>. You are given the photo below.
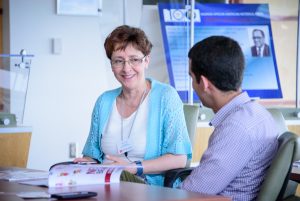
<point x="259" y="30"/>
<point x="221" y="60"/>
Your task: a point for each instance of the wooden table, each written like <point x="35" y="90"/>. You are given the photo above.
<point x="295" y="174"/>
<point x="123" y="191"/>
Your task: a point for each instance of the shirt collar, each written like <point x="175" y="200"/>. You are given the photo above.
<point x="228" y="108"/>
<point x="261" y="47"/>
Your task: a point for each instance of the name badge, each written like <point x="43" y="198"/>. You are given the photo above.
<point x="124" y="146"/>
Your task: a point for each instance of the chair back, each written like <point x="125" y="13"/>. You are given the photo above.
<point x="292" y="185"/>
<point x="279" y="119"/>
<point x="191" y="113"/>
<point x="277" y="176"/>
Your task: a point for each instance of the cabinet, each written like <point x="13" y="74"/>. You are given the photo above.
<point x="201" y="142"/>
<point x="14" y="146"/>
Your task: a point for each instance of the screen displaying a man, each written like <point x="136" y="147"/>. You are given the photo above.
<point x="260" y="48"/>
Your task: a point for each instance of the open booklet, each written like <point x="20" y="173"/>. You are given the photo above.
<point x="73" y="174"/>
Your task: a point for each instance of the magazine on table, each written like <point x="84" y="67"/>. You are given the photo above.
<point x="73" y="174"/>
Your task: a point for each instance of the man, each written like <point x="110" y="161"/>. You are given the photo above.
<point x="244" y="139"/>
<point x="260" y="49"/>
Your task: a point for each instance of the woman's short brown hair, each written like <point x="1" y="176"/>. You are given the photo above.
<point x="124" y="35"/>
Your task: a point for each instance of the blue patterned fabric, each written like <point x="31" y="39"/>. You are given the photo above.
<point x="166" y="127"/>
<point x="239" y="151"/>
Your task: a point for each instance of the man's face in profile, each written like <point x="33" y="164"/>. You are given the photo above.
<point x="258" y="39"/>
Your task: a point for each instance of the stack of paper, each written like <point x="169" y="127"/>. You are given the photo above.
<point x="296" y="164"/>
<point x="22" y="175"/>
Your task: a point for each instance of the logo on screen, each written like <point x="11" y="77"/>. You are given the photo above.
<point x="181" y="15"/>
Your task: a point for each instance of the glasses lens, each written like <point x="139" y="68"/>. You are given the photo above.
<point x="117" y="63"/>
<point x="135" y="61"/>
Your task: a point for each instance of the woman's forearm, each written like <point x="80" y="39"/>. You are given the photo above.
<point x="164" y="163"/>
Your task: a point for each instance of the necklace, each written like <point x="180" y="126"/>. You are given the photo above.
<point x="122" y="119"/>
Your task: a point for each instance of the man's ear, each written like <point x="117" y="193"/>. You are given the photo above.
<point x="206" y="82"/>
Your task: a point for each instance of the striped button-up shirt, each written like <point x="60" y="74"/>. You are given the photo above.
<point x="239" y="151"/>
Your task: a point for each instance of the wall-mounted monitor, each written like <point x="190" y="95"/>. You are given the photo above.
<point x="248" y="24"/>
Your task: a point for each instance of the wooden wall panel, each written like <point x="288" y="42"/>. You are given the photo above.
<point x="14" y="149"/>
<point x="295" y="129"/>
<point x="1" y="51"/>
<point x="200" y="143"/>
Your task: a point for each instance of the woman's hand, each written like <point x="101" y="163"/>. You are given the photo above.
<point x="84" y="159"/>
<point x="115" y="160"/>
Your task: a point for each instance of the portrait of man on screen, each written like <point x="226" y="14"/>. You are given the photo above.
<point x="260" y="48"/>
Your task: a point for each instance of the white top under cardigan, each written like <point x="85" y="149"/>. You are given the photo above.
<point x="111" y="136"/>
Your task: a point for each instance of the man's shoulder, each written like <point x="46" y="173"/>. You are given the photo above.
<point x="253" y="122"/>
<point x="251" y="113"/>
<point x="253" y="51"/>
<point x="267" y="47"/>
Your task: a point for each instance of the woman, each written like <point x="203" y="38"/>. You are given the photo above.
<point x="141" y="124"/>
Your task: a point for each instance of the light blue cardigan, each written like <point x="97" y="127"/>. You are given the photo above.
<point x="166" y="127"/>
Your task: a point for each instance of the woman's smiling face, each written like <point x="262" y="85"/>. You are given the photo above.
<point x="129" y="66"/>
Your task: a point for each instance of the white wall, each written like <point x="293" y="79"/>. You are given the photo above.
<point x="151" y="25"/>
<point x="63" y="88"/>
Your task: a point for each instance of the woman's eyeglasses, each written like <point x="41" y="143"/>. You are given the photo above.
<point x="120" y="63"/>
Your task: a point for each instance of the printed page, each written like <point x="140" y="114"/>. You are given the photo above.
<point x="88" y="174"/>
